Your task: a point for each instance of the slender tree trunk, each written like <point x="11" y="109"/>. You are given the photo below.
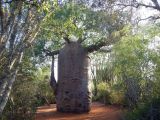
<point x="52" y="79"/>
<point x="9" y="80"/>
<point x="6" y="91"/>
<point x="94" y="81"/>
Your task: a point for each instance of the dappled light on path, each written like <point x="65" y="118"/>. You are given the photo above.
<point x="98" y="112"/>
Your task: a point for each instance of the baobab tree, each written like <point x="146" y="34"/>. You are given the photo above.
<point x="73" y="93"/>
<point x="83" y="31"/>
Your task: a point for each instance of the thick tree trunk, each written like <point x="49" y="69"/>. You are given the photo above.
<point x="73" y="93"/>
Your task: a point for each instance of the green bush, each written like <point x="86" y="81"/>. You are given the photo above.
<point x="22" y="103"/>
<point x="110" y="94"/>
<point x="145" y="111"/>
<point x="45" y="93"/>
<point x="30" y="90"/>
<point x="102" y="93"/>
<point x="117" y="97"/>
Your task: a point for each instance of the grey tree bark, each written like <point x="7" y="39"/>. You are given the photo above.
<point x="73" y="92"/>
<point x="6" y="88"/>
<point x="6" y="91"/>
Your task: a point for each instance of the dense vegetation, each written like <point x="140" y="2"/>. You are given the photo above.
<point x="129" y="76"/>
<point x="125" y="59"/>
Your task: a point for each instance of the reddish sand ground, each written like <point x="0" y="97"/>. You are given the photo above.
<point x="98" y="112"/>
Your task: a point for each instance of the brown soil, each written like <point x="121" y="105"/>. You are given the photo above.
<point x="98" y="112"/>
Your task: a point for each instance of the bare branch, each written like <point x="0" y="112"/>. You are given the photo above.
<point x="66" y="38"/>
<point x="51" y="53"/>
<point x="154" y="18"/>
<point x="102" y="43"/>
<point x="137" y="5"/>
<point x="80" y="40"/>
<point x="156" y="4"/>
<point x="105" y="50"/>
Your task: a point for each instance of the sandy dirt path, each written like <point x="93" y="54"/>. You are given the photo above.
<point x="98" y="112"/>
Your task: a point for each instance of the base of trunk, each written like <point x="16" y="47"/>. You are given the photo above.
<point x="73" y="100"/>
<point x="79" y="109"/>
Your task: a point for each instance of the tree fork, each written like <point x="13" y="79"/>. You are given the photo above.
<point x="89" y="49"/>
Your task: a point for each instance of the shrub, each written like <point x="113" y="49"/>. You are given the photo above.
<point x="102" y="93"/>
<point x="145" y="111"/>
